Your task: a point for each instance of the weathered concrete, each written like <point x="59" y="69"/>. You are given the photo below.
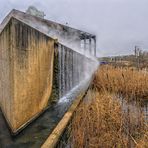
<point x="30" y="74"/>
<point x="35" y="135"/>
<point x="66" y="35"/>
<point x="26" y="63"/>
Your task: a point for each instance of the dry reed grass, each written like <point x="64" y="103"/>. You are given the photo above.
<point x="98" y="124"/>
<point x="143" y="142"/>
<point x="130" y="83"/>
<point x="100" y="121"/>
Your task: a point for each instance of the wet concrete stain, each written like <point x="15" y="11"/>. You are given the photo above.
<point x="35" y="134"/>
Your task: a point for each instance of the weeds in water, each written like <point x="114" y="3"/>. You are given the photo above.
<point x="98" y="124"/>
<point x="132" y="84"/>
<point x="102" y="123"/>
<point x="103" y="119"/>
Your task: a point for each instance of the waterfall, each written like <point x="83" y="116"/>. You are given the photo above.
<point x="74" y="68"/>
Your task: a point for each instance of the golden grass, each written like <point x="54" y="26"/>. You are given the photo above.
<point x="130" y="83"/>
<point x="143" y="142"/>
<point x="100" y="122"/>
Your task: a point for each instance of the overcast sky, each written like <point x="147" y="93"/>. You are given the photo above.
<point x="118" y="24"/>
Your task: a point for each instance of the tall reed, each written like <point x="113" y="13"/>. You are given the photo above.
<point x="130" y="83"/>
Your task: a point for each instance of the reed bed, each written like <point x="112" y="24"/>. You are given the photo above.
<point x="98" y="124"/>
<point x="101" y="122"/>
<point x="130" y="83"/>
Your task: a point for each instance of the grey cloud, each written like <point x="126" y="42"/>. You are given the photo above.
<point x="118" y="24"/>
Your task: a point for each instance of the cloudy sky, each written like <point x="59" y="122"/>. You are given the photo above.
<point x="118" y="24"/>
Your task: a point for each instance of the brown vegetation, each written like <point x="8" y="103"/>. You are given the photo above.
<point x="102" y="124"/>
<point x="100" y="121"/>
<point x="98" y="124"/>
<point x="130" y="83"/>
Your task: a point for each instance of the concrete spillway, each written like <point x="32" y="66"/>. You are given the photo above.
<point x="36" y="70"/>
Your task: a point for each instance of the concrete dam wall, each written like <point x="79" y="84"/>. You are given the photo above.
<point x="36" y="70"/>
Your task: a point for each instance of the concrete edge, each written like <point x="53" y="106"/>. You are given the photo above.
<point x="54" y="137"/>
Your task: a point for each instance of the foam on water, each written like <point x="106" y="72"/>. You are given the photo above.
<point x="74" y="90"/>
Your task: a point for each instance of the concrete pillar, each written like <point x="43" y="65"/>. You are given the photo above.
<point x="95" y="46"/>
<point x="85" y="44"/>
<point x="90" y="45"/>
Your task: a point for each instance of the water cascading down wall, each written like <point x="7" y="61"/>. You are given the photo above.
<point x="35" y="70"/>
<point x="70" y="70"/>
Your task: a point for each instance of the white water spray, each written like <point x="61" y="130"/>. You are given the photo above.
<point x="75" y="72"/>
